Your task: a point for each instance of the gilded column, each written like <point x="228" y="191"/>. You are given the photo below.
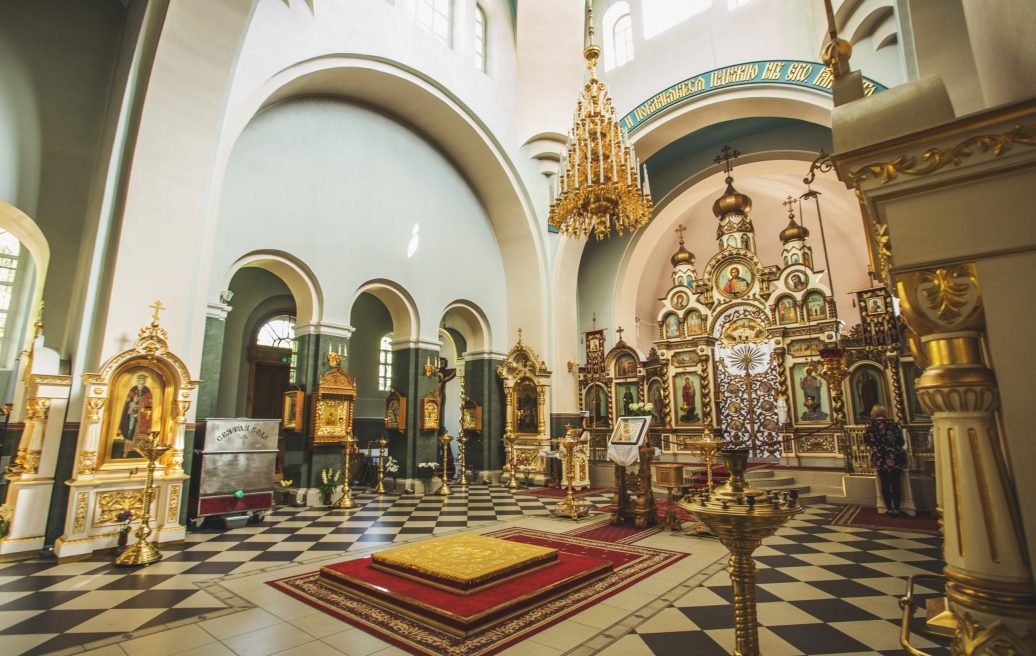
<point x="508" y="409"/>
<point x="706" y="394"/>
<point x="989" y="584"/>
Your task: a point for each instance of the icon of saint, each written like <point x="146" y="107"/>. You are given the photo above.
<point x="811" y="387"/>
<point x="688" y="401"/>
<point x="736" y="285"/>
<point x="136" y="412"/>
<point x="627" y="400"/>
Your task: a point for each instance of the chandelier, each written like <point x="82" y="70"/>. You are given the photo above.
<point x="599" y="178"/>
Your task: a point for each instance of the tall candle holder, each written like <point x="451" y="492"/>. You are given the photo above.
<point x="707" y="449"/>
<point x="462" y="479"/>
<point x="445" y="490"/>
<point x="382" y="443"/>
<point x="741" y="517"/>
<point x="571" y="506"/>
<point x="512" y="461"/>
<point x="347" y="501"/>
<point x="144" y="552"/>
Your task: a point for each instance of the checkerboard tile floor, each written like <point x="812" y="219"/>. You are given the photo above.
<point x="822" y="589"/>
<point x="46" y="607"/>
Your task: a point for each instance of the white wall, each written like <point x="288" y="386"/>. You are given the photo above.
<point x="343" y="188"/>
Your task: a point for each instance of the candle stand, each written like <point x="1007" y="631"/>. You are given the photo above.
<point x="144" y="552"/>
<point x="346" y="501"/>
<point x="741" y="517"/>
<point x="571" y="506"/>
<point x="445" y="490"/>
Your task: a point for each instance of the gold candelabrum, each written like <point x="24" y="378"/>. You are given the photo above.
<point x="347" y="501"/>
<point x="462" y="477"/>
<point x="512" y="461"/>
<point x="707" y="448"/>
<point x="144" y="552"/>
<point x="445" y="490"/>
<point x="571" y="506"/>
<point x="741" y="517"/>
<point x="382" y="443"/>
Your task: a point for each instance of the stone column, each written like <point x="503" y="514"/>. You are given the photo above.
<point x="211" y="366"/>
<point x="303" y="461"/>
<point x="482" y="385"/>
<point x="989" y="584"/>
<point x="415" y="445"/>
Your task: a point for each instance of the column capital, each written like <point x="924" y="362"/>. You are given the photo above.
<point x="425" y="344"/>
<point x="218" y="311"/>
<point x="324" y="328"/>
<point x="484" y="355"/>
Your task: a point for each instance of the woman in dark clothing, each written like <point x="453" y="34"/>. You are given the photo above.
<point x="885" y="439"/>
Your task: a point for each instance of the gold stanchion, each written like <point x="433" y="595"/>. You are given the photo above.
<point x="741" y="517"/>
<point x="143" y="552"/>
<point x="462" y="484"/>
<point x="347" y="500"/>
<point x="708" y="448"/>
<point x="512" y="461"/>
<point x="571" y="506"/>
<point x="382" y="442"/>
<point x="445" y="490"/>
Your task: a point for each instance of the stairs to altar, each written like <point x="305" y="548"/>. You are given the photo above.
<point x="813" y="486"/>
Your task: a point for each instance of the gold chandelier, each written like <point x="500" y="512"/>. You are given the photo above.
<point x="599" y="179"/>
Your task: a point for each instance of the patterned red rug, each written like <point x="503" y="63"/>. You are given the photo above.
<point x="621" y="534"/>
<point x="867" y="517"/>
<point x="414" y="633"/>
<point x="661" y="508"/>
<point x="555" y="493"/>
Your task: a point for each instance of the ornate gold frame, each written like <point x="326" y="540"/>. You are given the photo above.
<point x="430" y="420"/>
<point x="400" y="400"/>
<point x="293" y="400"/>
<point x="335" y="393"/>
<point x="165" y="415"/>
<point x="471" y="416"/>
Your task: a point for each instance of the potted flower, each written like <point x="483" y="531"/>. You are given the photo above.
<point x="425" y="472"/>
<point x="328" y="482"/>
<point x="472" y="474"/>
<point x="642" y="409"/>
<point x="126" y="517"/>
<point x="526" y="471"/>
<point x="6" y="515"/>
<point x="283" y="492"/>
<point x="392" y="468"/>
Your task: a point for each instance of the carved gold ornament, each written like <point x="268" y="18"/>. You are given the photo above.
<point x="94" y="407"/>
<point x="997" y="639"/>
<point x="31" y="461"/>
<point x="945" y="293"/>
<point x="87" y="462"/>
<point x="941" y="299"/>
<point x="110" y="504"/>
<point x="79" y="521"/>
<point x="934" y="159"/>
<point x="174" y="503"/>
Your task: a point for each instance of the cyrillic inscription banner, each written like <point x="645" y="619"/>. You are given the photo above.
<point x="784" y="72"/>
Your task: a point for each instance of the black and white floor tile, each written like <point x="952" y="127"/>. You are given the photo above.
<point x="822" y="589"/>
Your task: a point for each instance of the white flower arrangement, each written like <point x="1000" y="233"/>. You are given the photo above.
<point x="391" y="466"/>
<point x="641" y="409"/>
<point x="6" y="515"/>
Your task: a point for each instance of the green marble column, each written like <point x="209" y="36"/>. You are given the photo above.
<point x="303" y="460"/>
<point x="211" y="363"/>
<point x="408" y="378"/>
<point x="482" y="385"/>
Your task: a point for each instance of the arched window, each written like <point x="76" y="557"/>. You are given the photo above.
<point x="278" y="331"/>
<point x="436" y="16"/>
<point x="480" y="39"/>
<point x="10" y="256"/>
<point x="385" y="364"/>
<point x="618" y="31"/>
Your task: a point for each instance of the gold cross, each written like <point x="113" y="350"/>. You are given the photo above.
<point x="519" y="335"/>
<point x="789" y="204"/>
<point x="619" y="330"/>
<point x="157" y="307"/>
<point x="680" y="230"/>
<point x="727" y="158"/>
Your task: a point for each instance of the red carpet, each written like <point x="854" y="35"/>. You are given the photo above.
<point x="867" y="517"/>
<point x="497" y="617"/>
<point x="661" y="507"/>
<point x="555" y="493"/>
<point x="621" y="534"/>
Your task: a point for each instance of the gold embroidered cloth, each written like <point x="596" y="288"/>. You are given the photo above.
<point x="464" y="559"/>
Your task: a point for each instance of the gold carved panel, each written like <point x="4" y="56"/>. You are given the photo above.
<point x="110" y="504"/>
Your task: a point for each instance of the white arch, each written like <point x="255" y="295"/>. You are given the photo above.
<point x="473" y="325"/>
<point x="309" y="300"/>
<point x="18" y="223"/>
<point x="406" y="320"/>
<point x="452" y="127"/>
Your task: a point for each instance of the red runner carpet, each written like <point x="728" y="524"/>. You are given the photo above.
<point x="867" y="517"/>
<point x="621" y="534"/>
<point x="424" y="634"/>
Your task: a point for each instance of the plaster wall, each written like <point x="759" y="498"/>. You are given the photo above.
<point x="720" y="37"/>
<point x="372" y="321"/>
<point x="356" y="196"/>
<point x="57" y="65"/>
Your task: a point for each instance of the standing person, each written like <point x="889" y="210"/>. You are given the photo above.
<point x="885" y="439"/>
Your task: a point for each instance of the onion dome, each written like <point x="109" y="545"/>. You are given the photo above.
<point x="732" y="201"/>
<point x="682" y="256"/>
<point x="794" y="231"/>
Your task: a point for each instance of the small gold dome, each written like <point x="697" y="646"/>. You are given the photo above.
<point x="732" y="201"/>
<point x="836" y="51"/>
<point x="793" y="232"/>
<point x="682" y="256"/>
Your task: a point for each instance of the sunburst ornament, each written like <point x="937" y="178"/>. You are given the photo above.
<point x="600" y="184"/>
<point x="746" y="359"/>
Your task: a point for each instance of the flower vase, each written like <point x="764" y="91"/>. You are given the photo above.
<point x="123" y="540"/>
